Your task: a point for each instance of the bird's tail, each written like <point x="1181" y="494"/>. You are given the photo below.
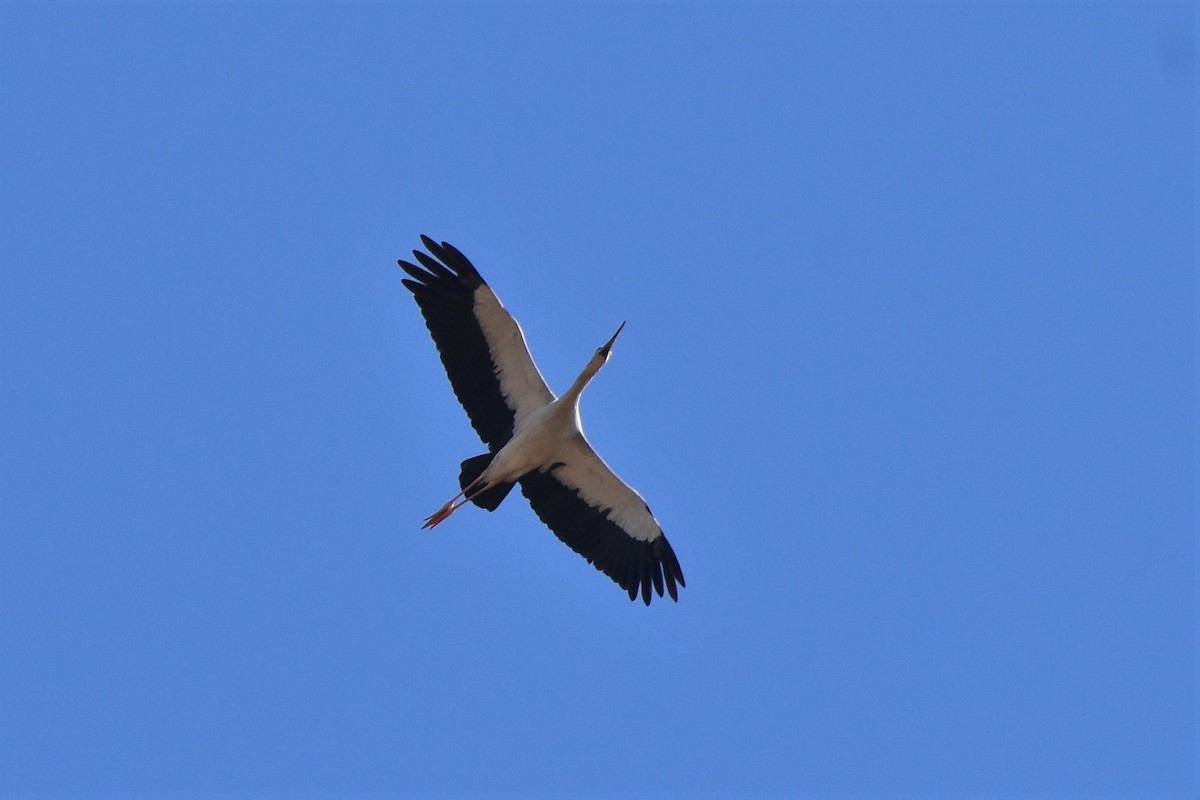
<point x="472" y="468"/>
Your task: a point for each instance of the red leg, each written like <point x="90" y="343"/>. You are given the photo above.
<point x="443" y="513"/>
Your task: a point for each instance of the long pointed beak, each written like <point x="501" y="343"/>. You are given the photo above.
<point x="608" y="345"/>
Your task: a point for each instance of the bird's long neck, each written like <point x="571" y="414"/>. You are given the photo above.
<point x="572" y="395"/>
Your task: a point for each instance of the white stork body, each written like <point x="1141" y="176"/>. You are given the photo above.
<point x="533" y="438"/>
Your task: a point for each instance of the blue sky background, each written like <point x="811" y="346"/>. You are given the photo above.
<point x="909" y="379"/>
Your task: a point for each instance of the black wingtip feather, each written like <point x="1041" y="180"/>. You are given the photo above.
<point x="414" y="271"/>
<point x="453" y="258"/>
<point x="436" y="269"/>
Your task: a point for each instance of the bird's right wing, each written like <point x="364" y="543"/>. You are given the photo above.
<point x="481" y="345"/>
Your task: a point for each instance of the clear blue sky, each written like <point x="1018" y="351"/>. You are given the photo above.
<point x="909" y="379"/>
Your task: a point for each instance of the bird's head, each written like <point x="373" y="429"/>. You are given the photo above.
<point x="598" y="359"/>
<point x="606" y="348"/>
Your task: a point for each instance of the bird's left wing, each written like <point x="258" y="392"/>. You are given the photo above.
<point x="603" y="519"/>
<point x="481" y="345"/>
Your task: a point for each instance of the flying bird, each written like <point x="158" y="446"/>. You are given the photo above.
<point x="534" y="438"/>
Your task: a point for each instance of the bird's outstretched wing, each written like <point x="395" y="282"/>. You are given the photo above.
<point x="603" y="519"/>
<point x="481" y="345"/>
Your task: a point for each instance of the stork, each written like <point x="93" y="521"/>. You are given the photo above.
<point x="533" y="437"/>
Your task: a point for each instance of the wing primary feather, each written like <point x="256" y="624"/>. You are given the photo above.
<point x="663" y="551"/>
<point x="452" y="253"/>
<point x="454" y="258"/>
<point x="415" y="271"/>
<point x="632" y="579"/>
<point x="656" y="575"/>
<point x="436" y="269"/>
<point x="671" y="590"/>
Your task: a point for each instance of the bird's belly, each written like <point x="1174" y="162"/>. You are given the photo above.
<point x="528" y="450"/>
